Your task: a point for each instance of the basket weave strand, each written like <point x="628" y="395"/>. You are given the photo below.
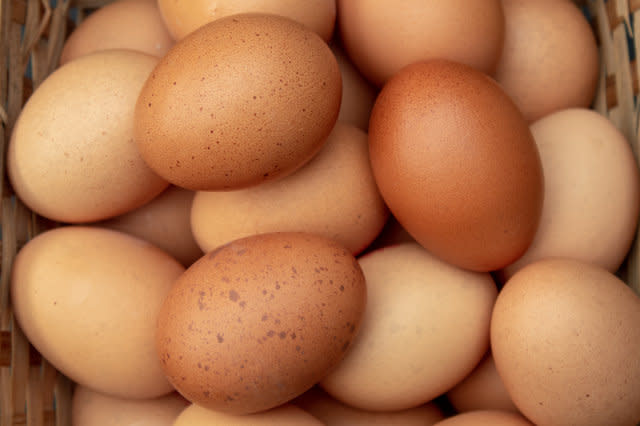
<point x="32" y="33"/>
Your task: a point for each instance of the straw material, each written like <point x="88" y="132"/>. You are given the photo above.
<point x="32" y="33"/>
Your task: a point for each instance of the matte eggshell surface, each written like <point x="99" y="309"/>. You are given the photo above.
<point x="457" y="165"/>
<point x="257" y="322"/>
<point x="486" y="418"/>
<point x="91" y="408"/>
<point x="72" y="155"/>
<point x="334" y="195"/>
<point x="242" y="100"/>
<point x="284" y="415"/>
<point x="565" y="340"/>
<point x="425" y="328"/>
<point x="88" y="300"/>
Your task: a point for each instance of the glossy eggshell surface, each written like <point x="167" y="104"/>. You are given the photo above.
<point x="257" y="322"/>
<point x="91" y="408"/>
<point x="242" y="100"/>
<point x="565" y="339"/>
<point x="456" y="164"/>
<point x="425" y="328"/>
<point x="334" y="195"/>
<point x="88" y="300"/>
<point x="72" y="155"/>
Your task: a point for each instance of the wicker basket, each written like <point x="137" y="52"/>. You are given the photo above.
<point x="32" y="392"/>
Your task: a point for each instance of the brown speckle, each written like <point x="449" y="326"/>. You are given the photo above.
<point x="206" y="394"/>
<point x="341" y="288"/>
<point x="265" y="317"/>
<point x="242" y="304"/>
<point x="220" y="338"/>
<point x="293" y="336"/>
<point x="282" y="334"/>
<point x="233" y="295"/>
<point x="271" y="333"/>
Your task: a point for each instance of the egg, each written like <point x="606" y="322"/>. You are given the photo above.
<point x="457" y="165"/>
<point x="284" y="415"/>
<point x="122" y="24"/>
<point x="165" y="221"/>
<point x="425" y="327"/>
<point x="242" y="100"/>
<point x="381" y="37"/>
<point x="335" y="413"/>
<point x="72" y="157"/>
<point x="334" y="195"/>
<point x="183" y="18"/>
<point x="88" y="300"/>
<point x="358" y="95"/>
<point x="90" y="408"/>
<point x="257" y="322"/>
<point x="592" y="191"/>
<point x="488" y="417"/>
<point x="550" y="59"/>
<point x="565" y="338"/>
<point x="481" y="390"/>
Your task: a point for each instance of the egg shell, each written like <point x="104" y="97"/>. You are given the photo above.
<point x="88" y="299"/>
<point x="592" y="191"/>
<point x="484" y="418"/>
<point x="257" y="322"/>
<point x="381" y="37"/>
<point x="122" y="24"/>
<point x="334" y="413"/>
<point x="334" y="195"/>
<point x="284" y="415"/>
<point x="481" y="390"/>
<point x="242" y="100"/>
<point x="565" y="340"/>
<point x="183" y="18"/>
<point x="457" y="165"/>
<point x="90" y="408"/>
<point x="72" y="157"/>
<point x="165" y="221"/>
<point x="358" y="95"/>
<point x="425" y="327"/>
<point x="550" y="58"/>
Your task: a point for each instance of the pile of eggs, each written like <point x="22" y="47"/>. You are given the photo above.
<point x="330" y="212"/>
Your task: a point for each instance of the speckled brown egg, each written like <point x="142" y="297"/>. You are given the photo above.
<point x="260" y="320"/>
<point x="334" y="195"/>
<point x="242" y="100"/>
<point x="565" y="340"/>
<point x="72" y="155"/>
<point x="457" y="165"/>
<point x="122" y="24"/>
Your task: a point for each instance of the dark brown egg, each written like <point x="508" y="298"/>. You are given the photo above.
<point x="259" y="321"/>
<point x="241" y="100"/>
<point x="457" y="165"/>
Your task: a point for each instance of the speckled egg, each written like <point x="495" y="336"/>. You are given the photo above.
<point x="257" y="322"/>
<point x="242" y="100"/>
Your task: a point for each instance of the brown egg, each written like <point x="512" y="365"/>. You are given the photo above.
<point x="165" y="222"/>
<point x="122" y="24"/>
<point x="456" y="164"/>
<point x="565" y="338"/>
<point x="88" y="299"/>
<point x="481" y="390"/>
<point x="183" y="18"/>
<point x="550" y="57"/>
<point x="592" y="191"/>
<point x="381" y="37"/>
<point x="242" y="100"/>
<point x="90" y="408"/>
<point x="284" y="415"/>
<point x="358" y="95"/>
<point x="259" y="321"/>
<point x="486" y="418"/>
<point x="425" y="328"/>
<point x="334" y="195"/>
<point x="72" y="157"/>
<point x="334" y="413"/>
